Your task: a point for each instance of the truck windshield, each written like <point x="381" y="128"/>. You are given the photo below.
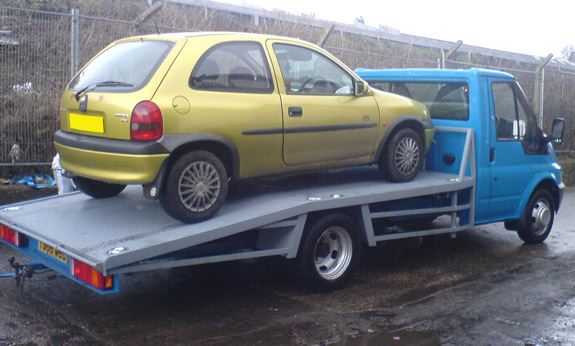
<point x="130" y="65"/>
<point x="444" y="100"/>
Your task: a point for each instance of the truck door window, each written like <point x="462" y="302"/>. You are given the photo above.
<point x="306" y="71"/>
<point x="514" y="119"/>
<point x="444" y="100"/>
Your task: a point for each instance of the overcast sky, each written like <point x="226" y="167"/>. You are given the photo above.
<point x="509" y="25"/>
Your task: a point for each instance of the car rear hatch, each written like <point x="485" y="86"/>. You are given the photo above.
<point x="100" y="99"/>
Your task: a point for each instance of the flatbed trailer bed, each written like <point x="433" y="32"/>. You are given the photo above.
<point x="129" y="233"/>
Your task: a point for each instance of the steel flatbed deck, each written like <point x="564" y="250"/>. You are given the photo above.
<point x="129" y="233"/>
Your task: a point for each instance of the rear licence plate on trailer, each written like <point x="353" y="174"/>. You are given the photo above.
<point x="87" y="123"/>
<point x="51" y="251"/>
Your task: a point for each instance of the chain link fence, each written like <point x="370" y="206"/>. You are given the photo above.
<point x="38" y="52"/>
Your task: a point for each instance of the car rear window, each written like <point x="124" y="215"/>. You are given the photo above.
<point x="123" y="67"/>
<point x="444" y="100"/>
<point x="233" y="67"/>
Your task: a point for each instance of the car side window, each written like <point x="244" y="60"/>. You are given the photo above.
<point x="514" y="119"/>
<point x="306" y="71"/>
<point x="233" y="67"/>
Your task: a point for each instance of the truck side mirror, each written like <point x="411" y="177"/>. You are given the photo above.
<point x="360" y="88"/>
<point x="558" y="130"/>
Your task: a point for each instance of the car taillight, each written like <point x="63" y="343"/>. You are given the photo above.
<point x="91" y="276"/>
<point x="11" y="236"/>
<point x="146" y="123"/>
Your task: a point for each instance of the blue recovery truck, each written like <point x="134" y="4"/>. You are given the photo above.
<point x="489" y="162"/>
<point x="518" y="178"/>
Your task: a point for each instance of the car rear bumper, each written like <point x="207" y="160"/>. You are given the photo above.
<point x="110" y="160"/>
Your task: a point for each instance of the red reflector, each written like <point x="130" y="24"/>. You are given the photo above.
<point x="146" y="123"/>
<point x="11" y="236"/>
<point x="91" y="276"/>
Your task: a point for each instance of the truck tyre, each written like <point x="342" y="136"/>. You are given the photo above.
<point x="97" y="189"/>
<point x="196" y="187"/>
<point x="538" y="216"/>
<point x="330" y="252"/>
<point x="403" y="156"/>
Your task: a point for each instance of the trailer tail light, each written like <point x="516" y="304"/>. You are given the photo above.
<point x="91" y="276"/>
<point x="11" y="236"/>
<point x="146" y="123"/>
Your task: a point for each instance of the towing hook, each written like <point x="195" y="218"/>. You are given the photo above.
<point x="21" y="272"/>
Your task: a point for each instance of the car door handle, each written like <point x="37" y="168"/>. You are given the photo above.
<point x="295" y="111"/>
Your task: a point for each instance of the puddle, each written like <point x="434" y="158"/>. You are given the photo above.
<point x="397" y="338"/>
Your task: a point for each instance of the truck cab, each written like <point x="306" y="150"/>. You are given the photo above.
<point x="518" y="178"/>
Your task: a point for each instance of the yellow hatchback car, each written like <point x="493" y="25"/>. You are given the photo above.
<point x="185" y="114"/>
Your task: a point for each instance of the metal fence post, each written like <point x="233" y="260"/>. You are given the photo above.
<point x="452" y="50"/>
<point x="74" y="44"/>
<point x="539" y="89"/>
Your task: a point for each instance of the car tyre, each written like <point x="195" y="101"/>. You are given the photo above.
<point x="403" y="157"/>
<point x="330" y="252"/>
<point x="195" y="188"/>
<point x="537" y="219"/>
<point x="97" y="189"/>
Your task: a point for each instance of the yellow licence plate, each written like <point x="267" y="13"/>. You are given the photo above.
<point x="88" y="123"/>
<point x="51" y="251"/>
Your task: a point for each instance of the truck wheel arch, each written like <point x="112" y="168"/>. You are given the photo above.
<point x="547" y="184"/>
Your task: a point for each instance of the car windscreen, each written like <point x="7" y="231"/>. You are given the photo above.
<point x="123" y="67"/>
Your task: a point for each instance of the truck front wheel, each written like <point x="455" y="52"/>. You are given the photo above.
<point x="196" y="187"/>
<point x="538" y="216"/>
<point x="330" y="252"/>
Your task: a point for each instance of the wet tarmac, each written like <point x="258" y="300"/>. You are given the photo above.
<point x="483" y="287"/>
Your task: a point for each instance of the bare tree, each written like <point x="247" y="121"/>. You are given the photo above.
<point x="568" y="53"/>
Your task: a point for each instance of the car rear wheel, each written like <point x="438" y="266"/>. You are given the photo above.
<point x="97" y="189"/>
<point x="403" y="157"/>
<point x="196" y="187"/>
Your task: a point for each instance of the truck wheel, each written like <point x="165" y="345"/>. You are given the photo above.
<point x="403" y="156"/>
<point x="330" y="252"/>
<point x="538" y="216"/>
<point x="97" y="189"/>
<point x="196" y="187"/>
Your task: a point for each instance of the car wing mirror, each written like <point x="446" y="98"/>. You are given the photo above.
<point x="360" y="87"/>
<point x="558" y="130"/>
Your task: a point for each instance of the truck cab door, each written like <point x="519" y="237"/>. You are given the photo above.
<point x="515" y="148"/>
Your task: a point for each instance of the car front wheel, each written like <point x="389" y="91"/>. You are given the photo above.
<point x="403" y="157"/>
<point x="196" y="187"/>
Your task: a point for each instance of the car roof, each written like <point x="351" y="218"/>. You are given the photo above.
<point x="183" y="35"/>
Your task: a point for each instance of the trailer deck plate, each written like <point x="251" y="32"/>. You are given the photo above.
<point x="143" y="230"/>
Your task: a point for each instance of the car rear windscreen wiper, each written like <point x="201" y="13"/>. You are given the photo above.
<point x="98" y="85"/>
